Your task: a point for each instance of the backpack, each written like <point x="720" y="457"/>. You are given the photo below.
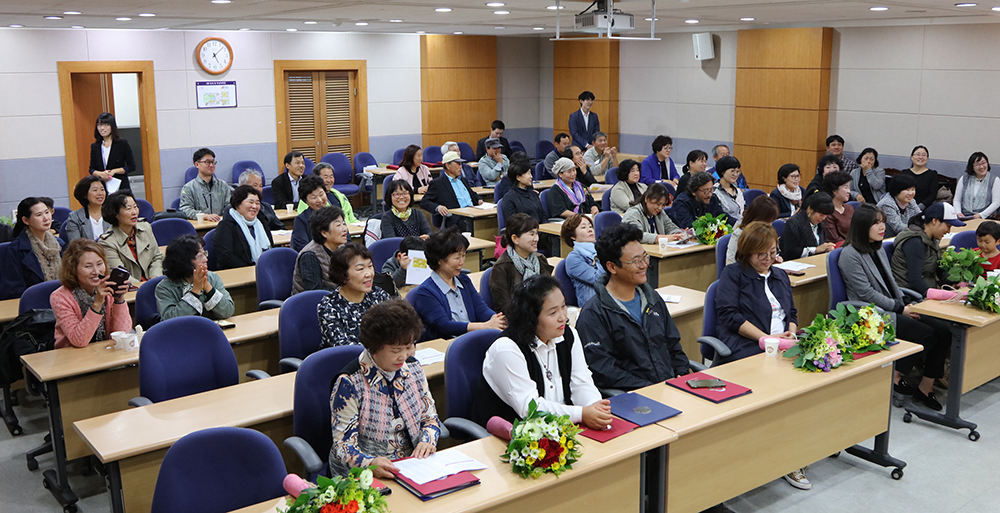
<point x="30" y="332"/>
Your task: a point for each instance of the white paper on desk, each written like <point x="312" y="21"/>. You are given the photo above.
<point x="486" y="206"/>
<point x="948" y="235"/>
<point x="112" y="184"/>
<point x="417" y="271"/>
<point x="793" y="266"/>
<point x="677" y="244"/>
<point x="667" y="298"/>
<point x="358" y="223"/>
<point x="429" y="355"/>
<point x="437" y="466"/>
<point x="597" y="187"/>
<point x="281" y="232"/>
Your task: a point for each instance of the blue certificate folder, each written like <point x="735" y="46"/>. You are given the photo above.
<point x="640" y="410"/>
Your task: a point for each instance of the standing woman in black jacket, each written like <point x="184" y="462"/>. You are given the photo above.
<point x="240" y="237"/>
<point x="522" y="198"/>
<point x="110" y="155"/>
<point x="804" y="235"/>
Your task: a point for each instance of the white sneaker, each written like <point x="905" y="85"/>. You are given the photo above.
<point x="798" y="479"/>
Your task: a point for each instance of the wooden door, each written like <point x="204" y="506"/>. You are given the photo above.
<point x="322" y="113"/>
<point x="92" y="95"/>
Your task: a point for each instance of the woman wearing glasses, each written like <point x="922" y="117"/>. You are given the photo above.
<point x="189" y="287"/>
<point x="402" y="220"/>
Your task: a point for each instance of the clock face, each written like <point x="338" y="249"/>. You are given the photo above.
<point x="214" y="55"/>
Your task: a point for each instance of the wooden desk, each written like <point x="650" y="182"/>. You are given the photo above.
<point x="792" y="418"/>
<point x="132" y="443"/>
<point x="484" y="221"/>
<point x="555" y="229"/>
<point x="543" y="184"/>
<point x="481" y="191"/>
<point x="688" y="316"/>
<point x="975" y="359"/>
<point x="692" y="267"/>
<point x="811" y="292"/>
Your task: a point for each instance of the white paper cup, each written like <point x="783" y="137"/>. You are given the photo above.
<point x="120" y="339"/>
<point x="467" y="235"/>
<point x="290" y="207"/>
<point x="572" y="312"/>
<point x="200" y="217"/>
<point x="663" y="244"/>
<point x="771" y="346"/>
<point x="131" y="343"/>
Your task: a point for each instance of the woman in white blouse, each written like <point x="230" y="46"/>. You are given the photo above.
<point x="730" y="196"/>
<point x="977" y="194"/>
<point x="539" y="357"/>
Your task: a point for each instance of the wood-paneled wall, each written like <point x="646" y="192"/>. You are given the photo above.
<point x="782" y="101"/>
<point x="590" y="65"/>
<point x="458" y="87"/>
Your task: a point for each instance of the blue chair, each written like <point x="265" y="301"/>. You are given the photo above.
<point x="497" y="195"/>
<point x="711" y="348"/>
<point x="190" y="174"/>
<point x="853" y="204"/>
<point x="61" y="214"/>
<point x="172" y="366"/>
<point x="397" y="156"/>
<point x="146" y="210"/>
<point x="540" y="172"/>
<point x="472" y="175"/>
<point x="484" y="288"/>
<point x="721" y="246"/>
<point x="218" y="469"/>
<point x="298" y="329"/>
<point x="37" y="296"/>
<point x="209" y="241"/>
<point x="501" y="221"/>
<point x="384" y="249"/>
<point x="604" y="219"/>
<point x="166" y="230"/>
<point x="267" y="196"/>
<point x="751" y="194"/>
<point x="465" y="150"/>
<point x="363" y="159"/>
<point x="517" y="146"/>
<point x="611" y="176"/>
<point x="343" y="173"/>
<point x="432" y="154"/>
<point x="889" y="247"/>
<point x="566" y="284"/>
<point x="779" y="226"/>
<point x="463" y="370"/>
<point x="543" y="148"/>
<point x="175" y="204"/>
<point x="606" y="202"/>
<point x="62" y="234"/>
<point x="146" y="312"/>
<point x="838" y="292"/>
<point x="670" y="189"/>
<point x="312" y="437"/>
<point x="963" y="240"/>
<point x="274" y="271"/>
<point x="245" y="165"/>
<point x="386" y="202"/>
<point x="544" y="199"/>
<point x="309" y="166"/>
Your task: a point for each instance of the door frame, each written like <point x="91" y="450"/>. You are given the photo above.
<point x="147" y="121"/>
<point x="359" y="67"/>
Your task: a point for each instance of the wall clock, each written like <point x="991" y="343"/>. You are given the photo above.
<point x="214" y="55"/>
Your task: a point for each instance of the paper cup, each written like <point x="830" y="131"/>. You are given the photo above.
<point x="467" y="235"/>
<point x="119" y="337"/>
<point x="771" y="346"/>
<point x="290" y="207"/>
<point x="130" y="342"/>
<point x="200" y="217"/>
<point x="663" y="244"/>
<point x="572" y="312"/>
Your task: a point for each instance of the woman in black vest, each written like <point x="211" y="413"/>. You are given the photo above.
<point x="539" y="357"/>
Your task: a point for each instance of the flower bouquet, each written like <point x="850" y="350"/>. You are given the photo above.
<point x="985" y="294"/>
<point x="709" y="228"/>
<point x="821" y="347"/>
<point x="961" y="266"/>
<point x="867" y="329"/>
<point x="351" y="494"/>
<point x="542" y="442"/>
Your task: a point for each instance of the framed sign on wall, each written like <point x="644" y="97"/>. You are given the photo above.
<point x="215" y="95"/>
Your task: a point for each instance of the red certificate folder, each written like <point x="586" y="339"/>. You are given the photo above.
<point x="443" y="486"/>
<point x="618" y="428"/>
<point x="716" y="395"/>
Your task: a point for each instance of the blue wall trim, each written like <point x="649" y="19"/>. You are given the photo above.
<point x="174" y="162"/>
<point x="21" y="178"/>
<point x="382" y="147"/>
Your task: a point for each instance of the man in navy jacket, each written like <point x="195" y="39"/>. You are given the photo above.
<point x="583" y="124"/>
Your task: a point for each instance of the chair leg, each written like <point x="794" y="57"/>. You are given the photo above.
<point x="38" y="451"/>
<point x="7" y="411"/>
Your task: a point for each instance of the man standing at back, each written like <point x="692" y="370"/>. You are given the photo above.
<point x="496" y="132"/>
<point x="628" y="336"/>
<point x="205" y="194"/>
<point x="285" y="187"/>
<point x="583" y="124"/>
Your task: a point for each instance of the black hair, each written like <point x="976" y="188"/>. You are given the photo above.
<point x="320" y="221"/>
<point x="390" y="323"/>
<point x="660" y="141"/>
<point x="560" y="136"/>
<point x="834" y="137"/>
<point x="918" y="147"/>
<point x="438" y="246"/>
<point x="865" y="216"/>
<point x="82" y="189"/>
<point x="654" y="192"/>
<point x="200" y="154"/>
<point x="411" y="242"/>
<point x="612" y="241"/>
<point x="785" y="170"/>
<point x="725" y="164"/>
<point x="693" y="156"/>
<point x="106" y="118"/>
<point x="697" y="181"/>
<point x="828" y="159"/>
<point x="969" y="168"/>
<point x="900" y="183"/>
<point x="240" y="193"/>
<point x="624" y="168"/>
<point x="24" y="210"/>
<point x="497" y="125"/>
<point x="178" y="258"/>
<point x="516" y="226"/>
<point x="524" y="308"/>
<point x="398" y="184"/>
<point x="308" y="184"/>
<point x="49" y="202"/>
<point x="114" y="203"/>
<point x="834" y="180"/>
<point x="519" y="165"/>
<point x="820" y="202"/>
<point x="991" y="228"/>
<point x="865" y="151"/>
<point x="340" y="260"/>
<point x="762" y="208"/>
<point x="408" y="154"/>
<point x="586" y="95"/>
<point x="294" y="154"/>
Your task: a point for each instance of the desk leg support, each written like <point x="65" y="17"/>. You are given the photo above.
<point x="950" y="417"/>
<point x="57" y="481"/>
<point x="653" y="481"/>
<point x="115" y="487"/>
<point x="880" y="454"/>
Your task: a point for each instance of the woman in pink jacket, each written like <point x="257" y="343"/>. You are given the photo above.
<point x="86" y="307"/>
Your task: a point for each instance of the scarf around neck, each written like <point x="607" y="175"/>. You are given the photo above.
<point x="258" y="241"/>
<point x="86" y="301"/>
<point x="403" y="215"/>
<point x="576" y="195"/>
<point x="526" y="267"/>
<point x="47" y="252"/>
<point x="794" y="197"/>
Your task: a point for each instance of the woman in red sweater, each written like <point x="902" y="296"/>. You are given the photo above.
<point x="86" y="307"/>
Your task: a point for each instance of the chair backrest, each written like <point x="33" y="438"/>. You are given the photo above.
<point x="243" y="165"/>
<point x="311" y="403"/>
<point x="604" y="219"/>
<point x="606" y="202"/>
<point x="274" y="271"/>
<point x="540" y="173"/>
<point x="566" y="284"/>
<point x="62" y="233"/>
<point x="544" y="198"/>
<point x="889" y="247"/>
<point x="267" y="196"/>
<point x="751" y="194"/>
<point x="298" y="326"/>
<point x="517" y="146"/>
<point x="708" y="321"/>
<point x="397" y="156"/>
<point x="146" y="209"/>
<point x="472" y="176"/>
<point x="835" y="279"/>
<point x="190" y="174"/>
<point x="37" y="296"/>
<point x="497" y="193"/>
<point x="172" y="366"/>
<point x="309" y="165"/>
<point x="543" y="148"/>
<point x="611" y="176"/>
<point x="484" y="288"/>
<point x="146" y="312"/>
<point x="721" y="247"/>
<point x="61" y="214"/>
<point x="466" y="151"/>
<point x="209" y="239"/>
<point x="362" y="159"/>
<point x="501" y="221"/>
<point x="175" y="204"/>
<point x="343" y="173"/>
<point x="779" y="226"/>
<point x="219" y="469"/>
<point x="166" y="230"/>
<point x="963" y="240"/>
<point x="433" y="154"/>
<point x="853" y="204"/>
<point x="463" y="368"/>
<point x="384" y="249"/>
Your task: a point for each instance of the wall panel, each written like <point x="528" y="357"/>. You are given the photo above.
<point x="458" y="77"/>
<point x="597" y="73"/>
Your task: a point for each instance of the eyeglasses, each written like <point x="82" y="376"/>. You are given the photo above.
<point x="202" y="255"/>
<point x="209" y="162"/>
<point x="770" y="254"/>
<point x="639" y="261"/>
<point x="400" y="194"/>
